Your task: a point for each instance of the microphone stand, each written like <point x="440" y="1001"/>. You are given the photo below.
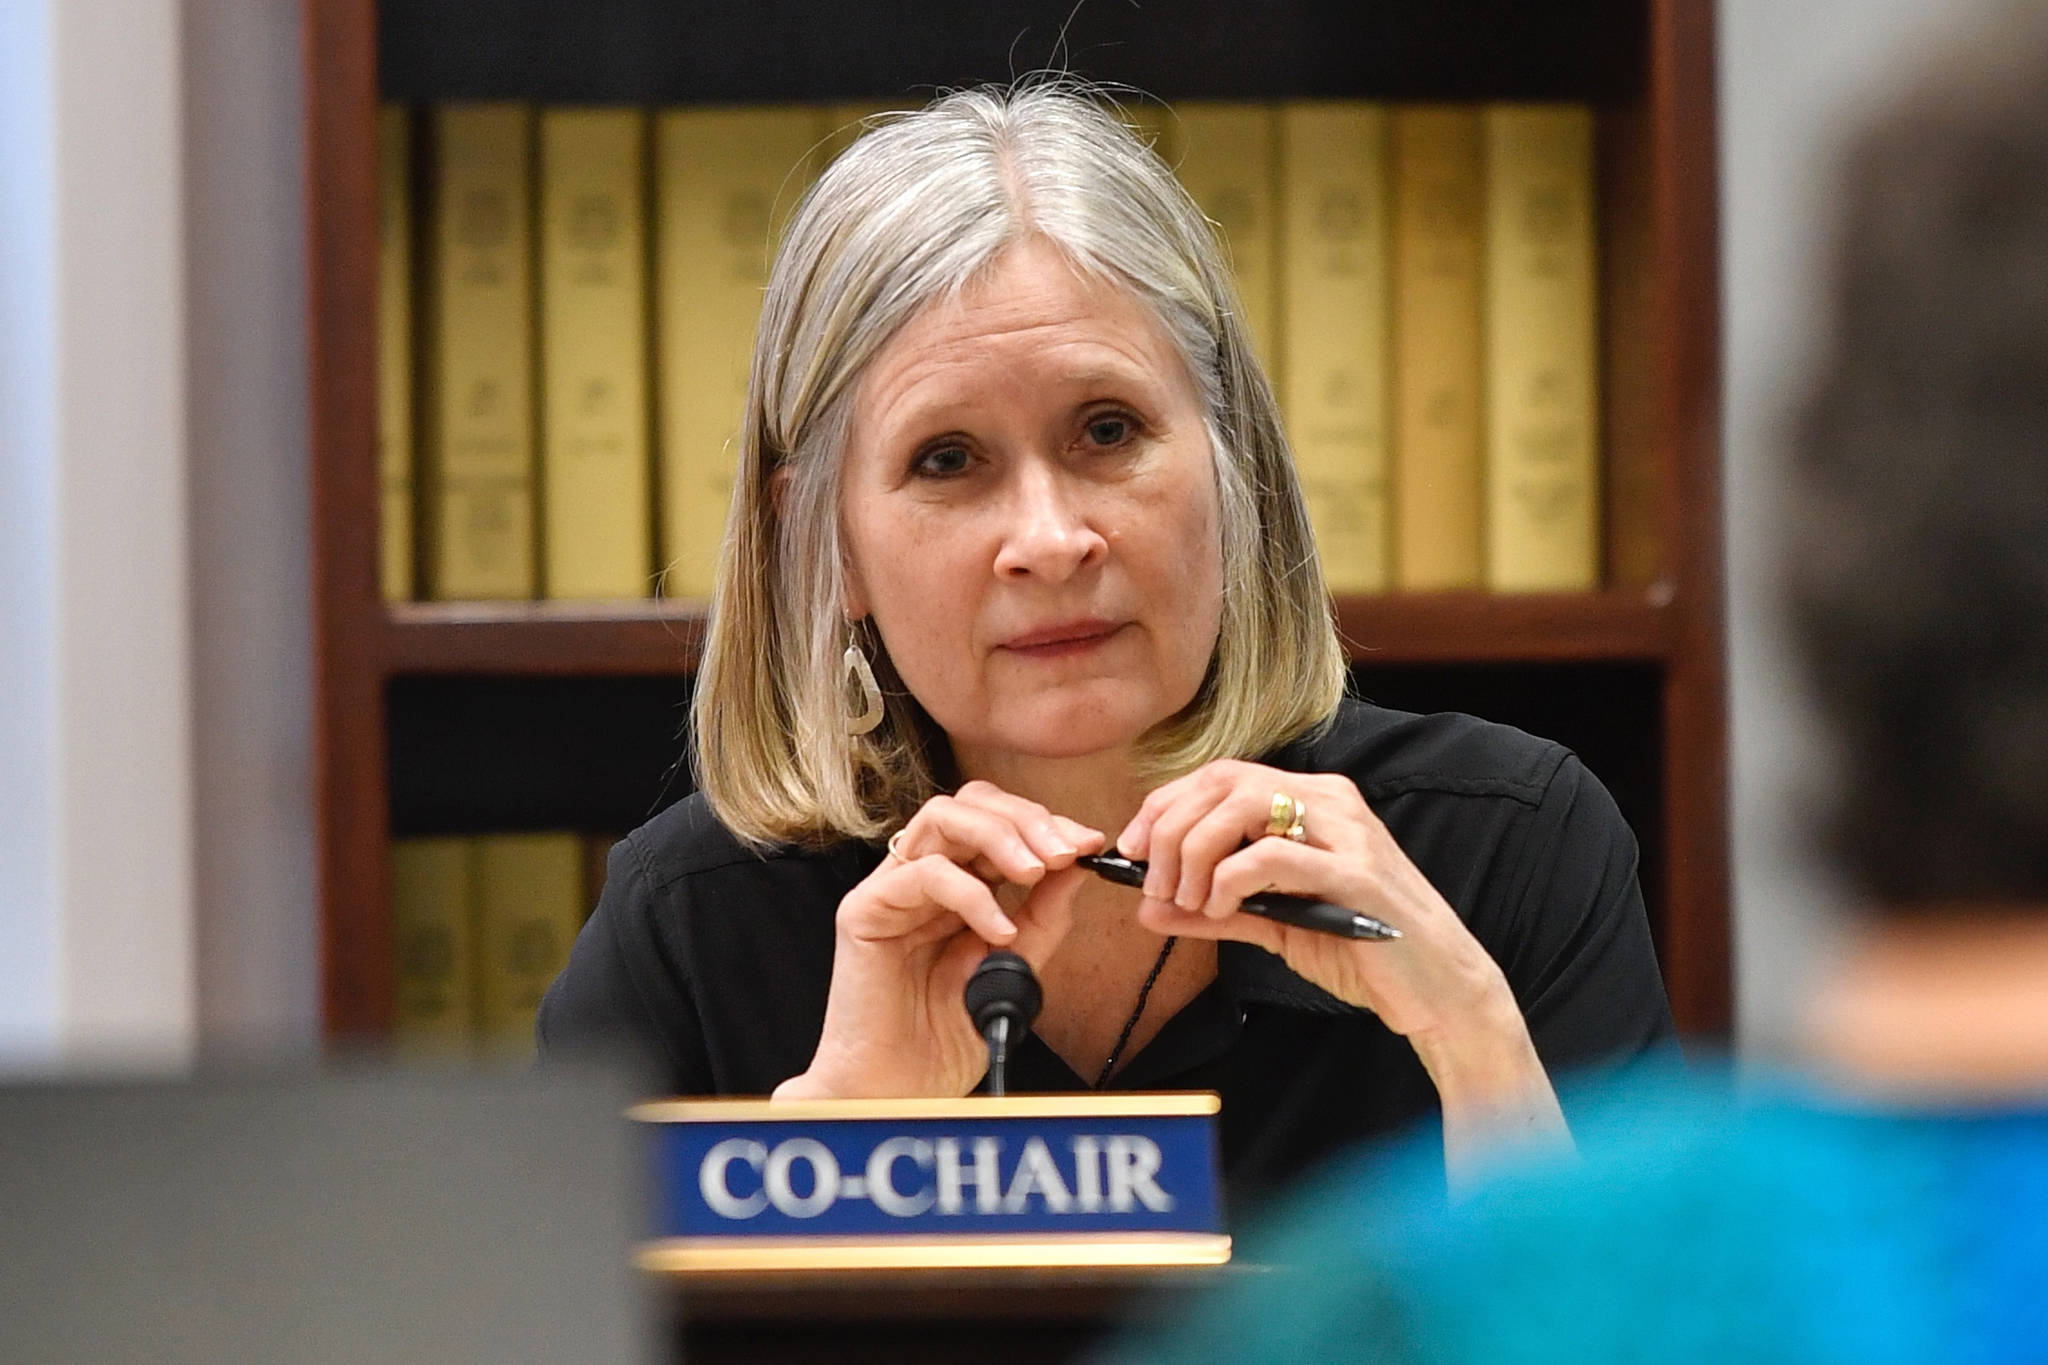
<point x="998" y="1039"/>
<point x="1002" y="999"/>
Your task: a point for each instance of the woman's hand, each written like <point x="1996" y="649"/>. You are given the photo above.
<point x="1205" y="837"/>
<point x="977" y="870"/>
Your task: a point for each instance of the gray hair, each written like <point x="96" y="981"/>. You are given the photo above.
<point x="920" y="206"/>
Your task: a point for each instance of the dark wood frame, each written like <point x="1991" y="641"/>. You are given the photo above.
<point x="1659" y="286"/>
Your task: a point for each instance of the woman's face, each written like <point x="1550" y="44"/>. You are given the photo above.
<point x="1031" y="517"/>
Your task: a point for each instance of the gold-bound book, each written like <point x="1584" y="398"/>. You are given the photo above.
<point x="596" y="472"/>
<point x="1542" y="439"/>
<point x="434" y="944"/>
<point x="529" y="890"/>
<point x="480" y="512"/>
<point x="1333" y="318"/>
<point x="1229" y="155"/>
<point x="726" y="179"/>
<point x="1439" y="235"/>
<point x="394" y="350"/>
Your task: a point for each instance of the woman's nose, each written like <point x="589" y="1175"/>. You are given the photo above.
<point x="1051" y="531"/>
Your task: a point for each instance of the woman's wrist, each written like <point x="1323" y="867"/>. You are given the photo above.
<point x="1482" y="1075"/>
<point x="1479" y="1040"/>
<point x="1482" y="1048"/>
<point x="1496" y="1096"/>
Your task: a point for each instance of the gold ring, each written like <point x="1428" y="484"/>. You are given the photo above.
<point x="1285" y="815"/>
<point x="1295" y="830"/>
<point x="894" y="839"/>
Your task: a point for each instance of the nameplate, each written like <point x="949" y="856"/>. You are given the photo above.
<point x="1026" y="1180"/>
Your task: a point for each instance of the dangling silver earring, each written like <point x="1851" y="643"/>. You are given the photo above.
<point x="859" y="678"/>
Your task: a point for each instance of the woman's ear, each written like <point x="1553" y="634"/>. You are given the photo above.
<point x="778" y="489"/>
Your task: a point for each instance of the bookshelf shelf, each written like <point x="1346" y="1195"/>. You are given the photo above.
<point x="549" y="639"/>
<point x="1633" y="675"/>
<point x="542" y="638"/>
<point x="1621" y="625"/>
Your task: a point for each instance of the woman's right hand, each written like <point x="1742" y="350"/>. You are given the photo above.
<point x="913" y="931"/>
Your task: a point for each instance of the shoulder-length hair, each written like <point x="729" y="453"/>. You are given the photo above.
<point x="910" y="214"/>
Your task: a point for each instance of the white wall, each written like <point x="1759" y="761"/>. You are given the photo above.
<point x="1796" y="77"/>
<point x="156" y="863"/>
<point x="99" y="891"/>
<point x="124" y="781"/>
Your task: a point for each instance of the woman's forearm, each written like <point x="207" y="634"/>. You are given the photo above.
<point x="1498" y="1103"/>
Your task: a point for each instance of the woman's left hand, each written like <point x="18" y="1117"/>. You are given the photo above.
<point x="1207" y="840"/>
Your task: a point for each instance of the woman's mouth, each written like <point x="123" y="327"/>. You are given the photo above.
<point x="1066" y="637"/>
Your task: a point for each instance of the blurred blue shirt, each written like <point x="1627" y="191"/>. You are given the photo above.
<point x="1706" y="1222"/>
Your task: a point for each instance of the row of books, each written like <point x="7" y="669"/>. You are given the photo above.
<point x="480" y="925"/>
<point x="1418" y="279"/>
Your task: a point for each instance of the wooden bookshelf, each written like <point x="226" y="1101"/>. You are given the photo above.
<point x="1647" y="67"/>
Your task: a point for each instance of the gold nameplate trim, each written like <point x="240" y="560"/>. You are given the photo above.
<point x="1164" y="1104"/>
<point x="729" y="1255"/>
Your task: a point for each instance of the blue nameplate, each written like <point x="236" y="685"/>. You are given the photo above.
<point x="1024" y="1180"/>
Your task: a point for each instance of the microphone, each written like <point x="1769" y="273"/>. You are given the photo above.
<point x="1002" y="999"/>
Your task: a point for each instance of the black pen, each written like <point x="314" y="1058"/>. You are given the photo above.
<point x="1298" y="911"/>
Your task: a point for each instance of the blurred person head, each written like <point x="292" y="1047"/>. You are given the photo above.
<point x="909" y="268"/>
<point x="1919" y="585"/>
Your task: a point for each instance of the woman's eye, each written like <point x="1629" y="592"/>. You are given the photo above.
<point x="1109" y="430"/>
<point x="942" y="462"/>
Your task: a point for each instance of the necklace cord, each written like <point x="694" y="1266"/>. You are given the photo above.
<point x="1116" y="1050"/>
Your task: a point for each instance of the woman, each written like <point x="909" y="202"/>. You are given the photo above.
<point x="1017" y="563"/>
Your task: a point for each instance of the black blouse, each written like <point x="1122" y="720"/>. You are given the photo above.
<point x="712" y="961"/>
